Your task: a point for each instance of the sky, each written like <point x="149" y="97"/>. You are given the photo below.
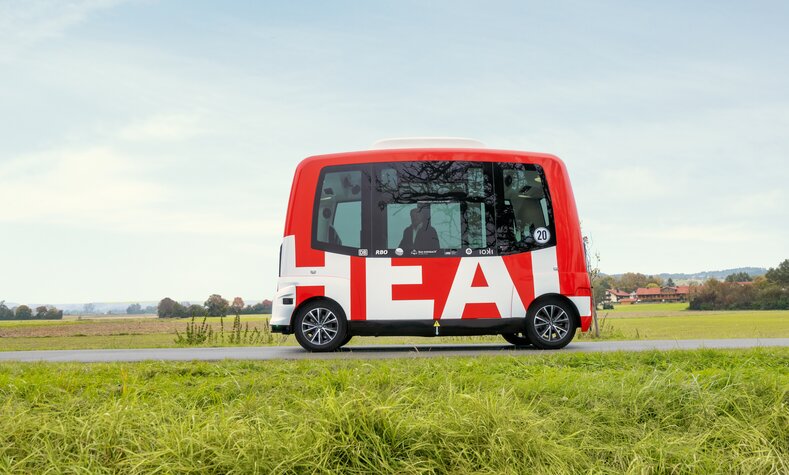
<point x="148" y="147"/>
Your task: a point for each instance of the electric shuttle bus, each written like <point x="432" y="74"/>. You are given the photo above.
<point x="442" y="238"/>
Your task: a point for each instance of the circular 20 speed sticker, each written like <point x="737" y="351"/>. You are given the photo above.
<point x="542" y="235"/>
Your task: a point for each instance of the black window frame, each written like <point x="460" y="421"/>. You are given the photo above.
<point x="505" y="246"/>
<point x="364" y="242"/>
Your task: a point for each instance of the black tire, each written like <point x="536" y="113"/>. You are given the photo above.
<point x="517" y="339"/>
<point x="320" y="326"/>
<point x="550" y="325"/>
<point x="346" y="340"/>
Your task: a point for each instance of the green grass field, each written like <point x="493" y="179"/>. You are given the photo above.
<point x="151" y="340"/>
<point x="700" y="411"/>
<point x="686" y="325"/>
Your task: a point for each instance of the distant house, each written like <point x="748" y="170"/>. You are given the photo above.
<point x="662" y="294"/>
<point x="615" y="296"/>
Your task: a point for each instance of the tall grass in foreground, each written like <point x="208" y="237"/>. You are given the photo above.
<point x="203" y="333"/>
<point x="675" y="412"/>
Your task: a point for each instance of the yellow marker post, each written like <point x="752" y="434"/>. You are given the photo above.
<point x="436" y="325"/>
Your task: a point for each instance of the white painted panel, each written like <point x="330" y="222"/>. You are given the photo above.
<point x="498" y="291"/>
<point x="583" y="304"/>
<point x="546" y="273"/>
<point x="381" y="275"/>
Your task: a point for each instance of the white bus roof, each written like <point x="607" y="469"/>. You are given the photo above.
<point x="427" y="142"/>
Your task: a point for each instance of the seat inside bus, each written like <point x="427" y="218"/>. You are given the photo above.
<point x="525" y="207"/>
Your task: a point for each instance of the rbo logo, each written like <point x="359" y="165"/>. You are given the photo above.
<point x="381" y="252"/>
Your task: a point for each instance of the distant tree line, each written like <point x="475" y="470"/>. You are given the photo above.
<point x="741" y="292"/>
<point x="23" y="312"/>
<point x="214" y="306"/>
<point x="137" y="309"/>
<point x="739" y="277"/>
<point x="627" y="282"/>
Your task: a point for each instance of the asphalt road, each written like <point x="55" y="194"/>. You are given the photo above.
<point x="370" y="352"/>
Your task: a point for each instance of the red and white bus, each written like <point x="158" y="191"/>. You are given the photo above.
<point x="432" y="241"/>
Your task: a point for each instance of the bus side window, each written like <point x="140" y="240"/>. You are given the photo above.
<point x="348" y="222"/>
<point x="430" y="208"/>
<point x="338" y="218"/>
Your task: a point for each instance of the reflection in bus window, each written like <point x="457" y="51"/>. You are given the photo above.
<point x="420" y="233"/>
<point x="431" y="206"/>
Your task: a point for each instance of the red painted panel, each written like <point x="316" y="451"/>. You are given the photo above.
<point x="437" y="277"/>
<point x="358" y="288"/>
<point x="481" y="310"/>
<point x="479" y="279"/>
<point x="520" y="269"/>
<point x="304" y="292"/>
<point x="299" y="218"/>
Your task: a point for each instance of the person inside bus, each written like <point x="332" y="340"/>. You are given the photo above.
<point x="420" y="234"/>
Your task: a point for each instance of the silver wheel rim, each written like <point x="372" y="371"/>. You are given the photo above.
<point x="320" y="326"/>
<point x="551" y="323"/>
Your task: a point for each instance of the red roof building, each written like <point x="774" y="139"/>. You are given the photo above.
<point x="615" y="296"/>
<point x="663" y="294"/>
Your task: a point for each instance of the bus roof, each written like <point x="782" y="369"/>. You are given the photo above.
<point x="420" y="154"/>
<point x="427" y="142"/>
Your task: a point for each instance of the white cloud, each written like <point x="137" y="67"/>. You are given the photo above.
<point x="637" y="183"/>
<point x="750" y="201"/>
<point x="691" y="235"/>
<point x="100" y="187"/>
<point x="163" y="128"/>
<point x="92" y="185"/>
<point x="26" y="22"/>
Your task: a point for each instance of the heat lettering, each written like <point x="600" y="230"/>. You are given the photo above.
<point x="482" y="288"/>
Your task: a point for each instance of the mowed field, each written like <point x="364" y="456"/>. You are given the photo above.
<point x="666" y="321"/>
<point x="107" y="332"/>
<point x="650" y="321"/>
<point x="705" y="411"/>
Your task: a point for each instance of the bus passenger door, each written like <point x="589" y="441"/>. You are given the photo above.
<point x="525" y="233"/>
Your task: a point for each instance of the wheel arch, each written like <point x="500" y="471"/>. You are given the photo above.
<point x="317" y="298"/>
<point x="553" y="296"/>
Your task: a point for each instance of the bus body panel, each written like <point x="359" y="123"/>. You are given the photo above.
<point x="404" y="290"/>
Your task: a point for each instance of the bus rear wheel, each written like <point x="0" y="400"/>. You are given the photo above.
<point x="550" y="325"/>
<point x="320" y="326"/>
<point x="517" y="339"/>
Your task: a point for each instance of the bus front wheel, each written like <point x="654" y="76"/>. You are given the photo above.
<point x="320" y="326"/>
<point x="550" y="325"/>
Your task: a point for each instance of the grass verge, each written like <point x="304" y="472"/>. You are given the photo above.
<point x="706" y="411"/>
